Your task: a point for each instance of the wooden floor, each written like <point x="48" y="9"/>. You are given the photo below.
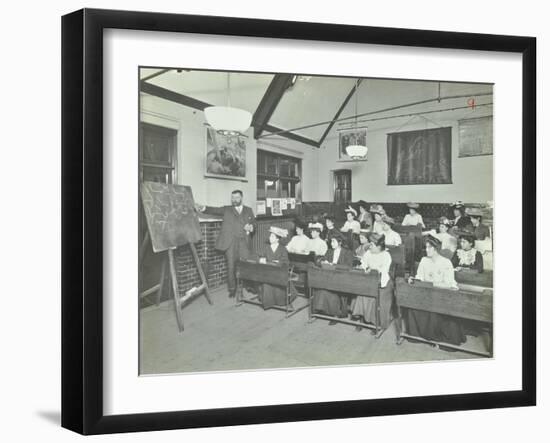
<point x="224" y="337"/>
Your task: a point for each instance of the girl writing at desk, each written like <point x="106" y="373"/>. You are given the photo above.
<point x="436" y="269"/>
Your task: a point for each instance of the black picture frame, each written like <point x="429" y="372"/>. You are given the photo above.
<point x="82" y="215"/>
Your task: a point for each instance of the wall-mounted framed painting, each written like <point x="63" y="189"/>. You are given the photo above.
<point x="225" y="156"/>
<point x="350" y="137"/>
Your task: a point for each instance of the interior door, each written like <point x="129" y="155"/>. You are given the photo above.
<point x="342" y="186"/>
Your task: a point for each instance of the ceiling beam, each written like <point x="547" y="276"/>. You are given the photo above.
<point x="273" y="94"/>
<point x="156" y="74"/>
<point x="172" y="96"/>
<point x="340" y="110"/>
<point x="291" y="136"/>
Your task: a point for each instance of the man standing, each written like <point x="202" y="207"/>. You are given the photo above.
<point x="235" y="236"/>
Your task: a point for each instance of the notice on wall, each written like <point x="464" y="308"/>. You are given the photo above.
<point x="260" y="208"/>
<point x="292" y="203"/>
<point x="268" y="202"/>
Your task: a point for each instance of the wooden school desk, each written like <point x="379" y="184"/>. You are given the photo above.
<point x="270" y="273"/>
<point x="464" y="304"/>
<point x="354" y="282"/>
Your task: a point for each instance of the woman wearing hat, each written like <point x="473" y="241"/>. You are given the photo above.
<point x="436" y="269"/>
<point x="480" y="230"/>
<point x="351" y="228"/>
<point x="413" y="218"/>
<point x="329" y="302"/>
<point x="448" y="241"/>
<point x="461" y="221"/>
<point x="377" y="258"/>
<point x="299" y="244"/>
<point x="467" y="257"/>
<point x="392" y="238"/>
<point x="274" y="253"/>
<point x="316" y="244"/>
<point x="365" y="217"/>
<point x="377" y="212"/>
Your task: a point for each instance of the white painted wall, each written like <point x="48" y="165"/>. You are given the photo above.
<point x="192" y="154"/>
<point x="472" y="177"/>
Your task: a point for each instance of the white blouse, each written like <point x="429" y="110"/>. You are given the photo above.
<point x="380" y="262"/>
<point x="353" y="226"/>
<point x="299" y="244"/>
<point x="438" y="271"/>
<point x="447" y="240"/>
<point x="392" y="238"/>
<point x="318" y="246"/>
<point x="413" y="220"/>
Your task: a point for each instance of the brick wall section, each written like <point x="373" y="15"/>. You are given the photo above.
<point x="212" y="260"/>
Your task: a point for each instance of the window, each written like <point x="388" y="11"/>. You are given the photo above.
<point x="157" y="153"/>
<point x="278" y="176"/>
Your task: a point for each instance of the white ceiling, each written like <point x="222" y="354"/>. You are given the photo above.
<point x="314" y="99"/>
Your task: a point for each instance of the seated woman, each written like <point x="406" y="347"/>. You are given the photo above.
<point x="376" y="259"/>
<point x="448" y="241"/>
<point x="413" y="218"/>
<point x="275" y="253"/>
<point x="330" y="230"/>
<point x="467" y="258"/>
<point x="329" y="302"/>
<point x="351" y="228"/>
<point x="461" y="222"/>
<point x="438" y="270"/>
<point x="316" y="244"/>
<point x="377" y="212"/>
<point x="365" y="217"/>
<point x="392" y="238"/>
<point x="364" y="244"/>
<point x="481" y="231"/>
<point x="299" y="244"/>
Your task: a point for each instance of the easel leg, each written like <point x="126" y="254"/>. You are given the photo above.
<point x="175" y="289"/>
<point x="201" y="272"/>
<point x="161" y="283"/>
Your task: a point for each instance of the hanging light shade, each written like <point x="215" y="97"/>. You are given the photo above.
<point x="357" y="152"/>
<point x="227" y="120"/>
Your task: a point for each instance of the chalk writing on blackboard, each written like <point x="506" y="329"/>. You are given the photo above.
<point x="170" y="213"/>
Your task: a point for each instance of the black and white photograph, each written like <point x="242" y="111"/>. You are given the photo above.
<point x="383" y="261"/>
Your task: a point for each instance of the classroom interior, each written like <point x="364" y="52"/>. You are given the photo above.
<point x="295" y="169"/>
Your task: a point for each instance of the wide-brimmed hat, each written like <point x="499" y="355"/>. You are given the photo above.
<point x="315" y="226"/>
<point x="474" y="212"/>
<point x="351" y="210"/>
<point x="413" y="205"/>
<point x="445" y="221"/>
<point x="434" y="241"/>
<point x="389" y="220"/>
<point x="457" y="205"/>
<point x="279" y="232"/>
<point x="377" y="209"/>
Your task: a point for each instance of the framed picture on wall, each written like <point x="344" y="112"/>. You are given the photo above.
<point x="225" y="156"/>
<point x="114" y="372"/>
<point x="350" y="137"/>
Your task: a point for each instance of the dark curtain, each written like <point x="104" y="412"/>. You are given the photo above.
<point x="420" y="157"/>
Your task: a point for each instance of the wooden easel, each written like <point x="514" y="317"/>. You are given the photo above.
<point x="170" y="261"/>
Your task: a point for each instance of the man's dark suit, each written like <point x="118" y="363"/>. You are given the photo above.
<point x="233" y="239"/>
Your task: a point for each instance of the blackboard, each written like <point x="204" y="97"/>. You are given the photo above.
<point x="170" y="214"/>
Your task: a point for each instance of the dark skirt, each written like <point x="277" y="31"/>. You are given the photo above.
<point x="434" y="327"/>
<point x="330" y="303"/>
<point x="274" y="296"/>
<point x="366" y="307"/>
